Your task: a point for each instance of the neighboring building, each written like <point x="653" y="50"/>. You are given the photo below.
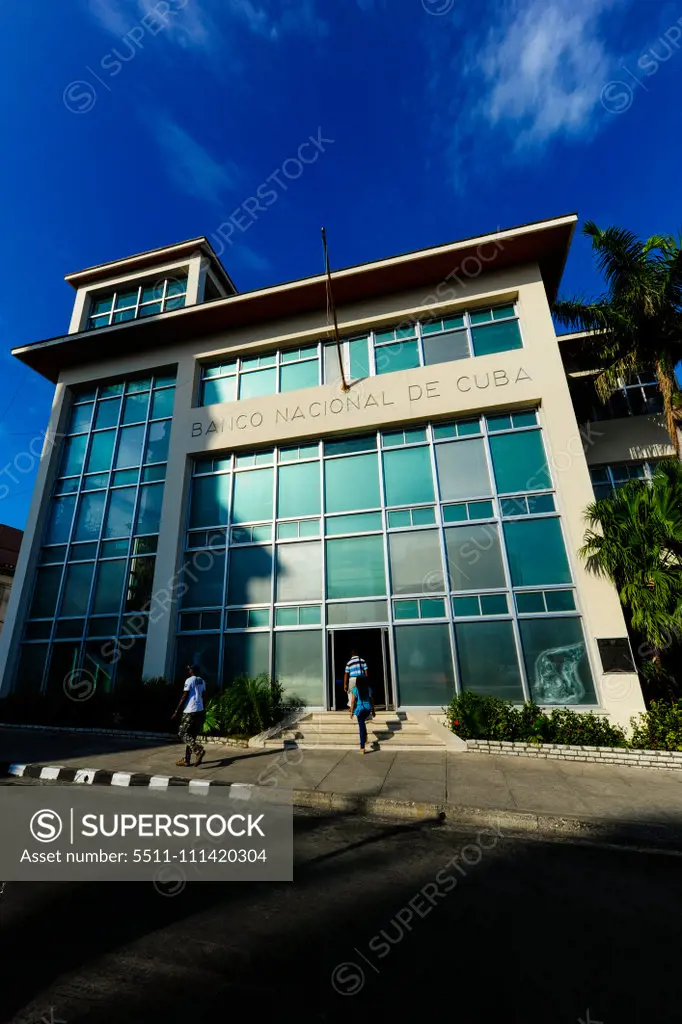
<point x="219" y="497"/>
<point x="10" y="542"/>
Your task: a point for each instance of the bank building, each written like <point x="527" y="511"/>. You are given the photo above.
<point x="226" y="481"/>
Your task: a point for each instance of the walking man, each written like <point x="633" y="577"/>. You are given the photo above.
<point x="355" y="669"/>
<point x="192" y="717"/>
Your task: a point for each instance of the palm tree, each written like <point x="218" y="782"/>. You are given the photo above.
<point x="637" y="324"/>
<point x="635" y="540"/>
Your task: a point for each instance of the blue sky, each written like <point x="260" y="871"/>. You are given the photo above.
<point x="131" y="124"/>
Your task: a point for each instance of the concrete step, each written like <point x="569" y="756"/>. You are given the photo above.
<point x="351" y="740"/>
<point x="373" y="725"/>
<point x="334" y="730"/>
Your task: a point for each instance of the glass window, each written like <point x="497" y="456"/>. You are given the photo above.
<point x="107" y="413"/>
<point x="149" y="509"/>
<point x="202" y="651"/>
<point x="129" y="447"/>
<point x="408" y="477"/>
<point x="119" y="520"/>
<point x="101" y="451"/>
<point x="252" y="496"/>
<point x="402" y="356"/>
<point x="355" y="567"/>
<point x="406" y="609"/>
<point x="519" y="462"/>
<point x="45" y="594"/>
<point x="298" y="664"/>
<point x="299" y="572"/>
<point x="556" y="660"/>
<point x="73" y="455"/>
<point x="462" y="470"/>
<point x="560" y="600"/>
<point x="363" y="522"/>
<point x="496" y="337"/>
<point x="351" y="483"/>
<point x="494" y="604"/>
<point x="31" y="668"/>
<point x="344" y="614"/>
<point x="416" y="563"/>
<point x="487" y="658"/>
<point x="424" y="664"/>
<point x="250" y="576"/>
<point x="351" y="445"/>
<point x="536" y="552"/>
<point x="157" y="442"/>
<point x="162" y="403"/>
<point x="359" y="358"/>
<point x="140" y="583"/>
<point x="257" y="383"/>
<point x="223" y="389"/>
<point x="474" y="557"/>
<point x="135" y="408"/>
<point x="532" y="601"/>
<point x="77" y="589"/>
<point x="246" y="654"/>
<point x="109" y="587"/>
<point x="445" y="348"/>
<point x="299" y="375"/>
<point x="90" y="514"/>
<point x="462" y="606"/>
<point x="298" y="489"/>
<point x="59" y="525"/>
<point x="210" y="501"/>
<point x="203" y="574"/>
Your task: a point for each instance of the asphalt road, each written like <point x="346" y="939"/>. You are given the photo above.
<point x="531" y="932"/>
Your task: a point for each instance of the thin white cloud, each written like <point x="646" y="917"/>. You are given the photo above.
<point x="247" y="257"/>
<point x="190" y="166"/>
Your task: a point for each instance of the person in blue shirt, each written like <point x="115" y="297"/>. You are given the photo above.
<point x="361" y="700"/>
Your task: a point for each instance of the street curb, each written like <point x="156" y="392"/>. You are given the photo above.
<point x="623" y="834"/>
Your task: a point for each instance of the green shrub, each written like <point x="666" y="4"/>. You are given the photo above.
<point x="472" y="716"/>
<point x="658" y="728"/>
<point x="247" y="707"/>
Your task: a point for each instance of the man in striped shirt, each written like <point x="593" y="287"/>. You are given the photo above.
<point x="355" y="669"/>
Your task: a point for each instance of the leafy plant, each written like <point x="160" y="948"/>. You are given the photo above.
<point x="247" y="707"/>
<point x="658" y="728"/>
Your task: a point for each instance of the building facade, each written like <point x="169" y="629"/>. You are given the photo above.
<point x="10" y="542"/>
<point x="225" y="484"/>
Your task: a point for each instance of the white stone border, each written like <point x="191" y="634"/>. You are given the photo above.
<point x="666" y="760"/>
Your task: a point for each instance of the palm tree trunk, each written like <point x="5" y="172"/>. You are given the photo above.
<point x="666" y="382"/>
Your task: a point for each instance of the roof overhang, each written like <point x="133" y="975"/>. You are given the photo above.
<point x="543" y="242"/>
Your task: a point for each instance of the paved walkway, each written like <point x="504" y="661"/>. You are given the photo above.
<point x="588" y="791"/>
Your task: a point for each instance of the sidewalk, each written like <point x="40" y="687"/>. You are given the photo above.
<point x="590" y="792"/>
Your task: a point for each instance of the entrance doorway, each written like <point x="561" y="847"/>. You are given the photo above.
<point x="372" y="645"/>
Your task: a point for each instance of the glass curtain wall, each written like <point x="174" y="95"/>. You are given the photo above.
<point x="90" y="601"/>
<point x="449" y="534"/>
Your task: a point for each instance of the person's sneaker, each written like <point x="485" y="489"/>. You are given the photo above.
<point x="199" y="758"/>
<point x="183" y="763"/>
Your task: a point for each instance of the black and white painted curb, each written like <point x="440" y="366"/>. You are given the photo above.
<point x="102" y="777"/>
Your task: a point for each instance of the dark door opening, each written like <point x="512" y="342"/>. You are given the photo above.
<point x="372" y="645"/>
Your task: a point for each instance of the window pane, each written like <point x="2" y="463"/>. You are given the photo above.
<point x="416" y="563"/>
<point x="355" y="567"/>
<point x="299" y="375"/>
<point x="101" y="450"/>
<point x="204" y="578"/>
<point x="519" y="462"/>
<point x="109" y="587"/>
<point x="462" y="470"/>
<point x="494" y="604"/>
<point x="224" y="389"/>
<point x="59" y="525"/>
<point x="210" y="501"/>
<point x="357" y="611"/>
<point x="408" y="476"/>
<point x="359" y="358"/>
<point x="140" y="583"/>
<point x="351" y="445"/>
<point x="474" y="557"/>
<point x="45" y="593"/>
<point x="119" y="521"/>
<point x="90" y="514"/>
<point x="556" y="661"/>
<point x="424" y="663"/>
<point x="402" y="356"/>
<point x="149" y="510"/>
<point x="536" y="552"/>
<point x="31" y="668"/>
<point x="250" y="575"/>
<point x="488" y="663"/>
<point x="406" y="609"/>
<point x="135" y="408"/>
<point x="351" y="483"/>
<point x="257" y="383"/>
<point x="73" y="455"/>
<point x="530" y="602"/>
<point x="246" y="654"/>
<point x="130" y="447"/>
<point x="77" y="589"/>
<point x="299" y="572"/>
<point x="466" y="606"/>
<point x="252" y="496"/>
<point x="298" y="664"/>
<point x="107" y="413"/>
<point x="201" y="651"/>
<point x="496" y="338"/>
<point x="560" y="601"/>
<point x="310" y="615"/>
<point x="64" y="660"/>
<point x="360" y="523"/>
<point x="157" y="442"/>
<point x="298" y="490"/>
<point x="162" y="403"/>
<point x="445" y="348"/>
